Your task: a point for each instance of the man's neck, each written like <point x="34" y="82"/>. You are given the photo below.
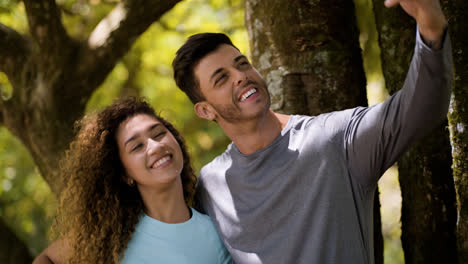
<point x="254" y="135"/>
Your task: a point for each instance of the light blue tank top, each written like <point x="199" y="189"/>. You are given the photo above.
<point x="194" y="241"/>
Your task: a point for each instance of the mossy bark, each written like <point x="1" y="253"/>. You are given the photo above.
<point x="309" y="54"/>
<point x="457" y="14"/>
<point x="428" y="195"/>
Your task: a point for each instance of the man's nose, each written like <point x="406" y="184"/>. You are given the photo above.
<point x="240" y="76"/>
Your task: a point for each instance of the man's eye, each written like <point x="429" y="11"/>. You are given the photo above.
<point x="220" y="78"/>
<point x="244" y="64"/>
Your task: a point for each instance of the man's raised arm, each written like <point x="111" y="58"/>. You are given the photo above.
<point x="377" y="136"/>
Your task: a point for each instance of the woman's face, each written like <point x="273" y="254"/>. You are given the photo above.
<point x="149" y="152"/>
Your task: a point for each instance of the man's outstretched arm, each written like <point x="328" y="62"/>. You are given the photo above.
<point x="378" y="135"/>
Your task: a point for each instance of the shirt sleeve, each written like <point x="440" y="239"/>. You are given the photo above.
<point x="376" y="136"/>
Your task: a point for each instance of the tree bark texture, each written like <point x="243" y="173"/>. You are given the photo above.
<point x="457" y="14"/>
<point x="425" y="174"/>
<point x="12" y="249"/>
<point x="309" y="55"/>
<point x="308" y="52"/>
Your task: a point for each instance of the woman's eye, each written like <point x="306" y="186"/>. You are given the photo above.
<point x="137" y="146"/>
<point x="159" y="134"/>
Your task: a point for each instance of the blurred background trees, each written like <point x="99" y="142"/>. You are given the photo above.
<point x="61" y="59"/>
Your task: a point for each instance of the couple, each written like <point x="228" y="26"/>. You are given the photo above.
<point x="289" y="189"/>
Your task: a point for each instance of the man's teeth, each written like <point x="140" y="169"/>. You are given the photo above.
<point x="161" y="161"/>
<point x="248" y="93"/>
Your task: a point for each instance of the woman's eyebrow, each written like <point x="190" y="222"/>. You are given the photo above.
<point x="136" y="135"/>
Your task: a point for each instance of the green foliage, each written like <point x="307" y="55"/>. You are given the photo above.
<point x="368" y="39"/>
<point x="26" y="203"/>
<point x="390" y="197"/>
<point x="6" y="5"/>
<point x="5" y="87"/>
<point x="81" y="17"/>
<point x="12" y="15"/>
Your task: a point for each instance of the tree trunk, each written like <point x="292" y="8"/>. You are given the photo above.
<point x="309" y="54"/>
<point x="428" y="196"/>
<point x="456" y="11"/>
<point x="12" y="249"/>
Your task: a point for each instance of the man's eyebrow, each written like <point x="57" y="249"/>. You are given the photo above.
<point x="236" y="59"/>
<point x="138" y="134"/>
<point x="240" y="57"/>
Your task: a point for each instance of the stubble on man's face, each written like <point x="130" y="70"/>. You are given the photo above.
<point x="233" y="113"/>
<point x="219" y="74"/>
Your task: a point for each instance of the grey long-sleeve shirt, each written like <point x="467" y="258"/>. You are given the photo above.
<point x="308" y="197"/>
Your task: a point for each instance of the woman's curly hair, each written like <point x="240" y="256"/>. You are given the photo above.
<point x="98" y="211"/>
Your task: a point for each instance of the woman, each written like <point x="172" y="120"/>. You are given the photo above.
<point x="126" y="201"/>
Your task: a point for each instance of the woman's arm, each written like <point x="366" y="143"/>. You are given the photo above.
<point x="54" y="254"/>
<point x="42" y="259"/>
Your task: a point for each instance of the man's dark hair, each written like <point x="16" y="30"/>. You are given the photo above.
<point x="189" y="55"/>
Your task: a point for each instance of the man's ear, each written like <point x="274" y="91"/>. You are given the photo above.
<point x="205" y="110"/>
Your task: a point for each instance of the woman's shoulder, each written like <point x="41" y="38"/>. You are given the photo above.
<point x="212" y="240"/>
<point x="204" y="222"/>
<point x="200" y="217"/>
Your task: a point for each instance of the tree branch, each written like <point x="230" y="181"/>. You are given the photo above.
<point x="114" y="35"/>
<point x="14" y="49"/>
<point x="45" y="25"/>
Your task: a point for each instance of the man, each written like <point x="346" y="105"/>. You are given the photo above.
<point x="299" y="189"/>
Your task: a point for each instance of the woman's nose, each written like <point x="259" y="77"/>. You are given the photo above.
<point x="153" y="146"/>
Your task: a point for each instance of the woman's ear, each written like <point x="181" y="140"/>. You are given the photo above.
<point x="205" y="110"/>
<point x="129" y="181"/>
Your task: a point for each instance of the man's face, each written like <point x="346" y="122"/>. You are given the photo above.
<point x="233" y="89"/>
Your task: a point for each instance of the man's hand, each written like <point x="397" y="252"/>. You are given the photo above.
<point x="429" y="17"/>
